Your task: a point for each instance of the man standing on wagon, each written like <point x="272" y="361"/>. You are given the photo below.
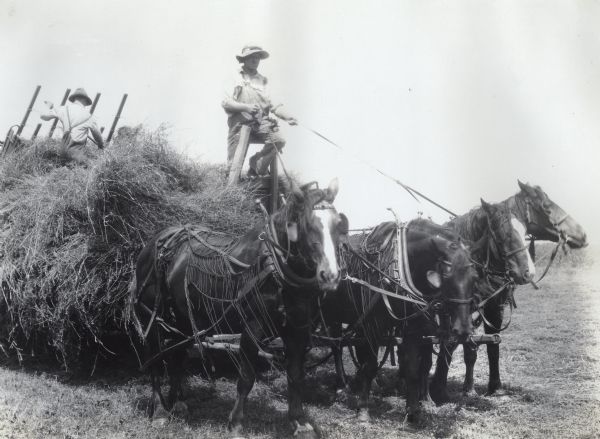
<point x="250" y="104"/>
<point x="77" y="123"/>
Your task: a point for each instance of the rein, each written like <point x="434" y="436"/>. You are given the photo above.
<point x="562" y="240"/>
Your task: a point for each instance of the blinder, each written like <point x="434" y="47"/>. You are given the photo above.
<point x="292" y="231"/>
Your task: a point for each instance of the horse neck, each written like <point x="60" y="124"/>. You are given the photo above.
<point x="472" y="226"/>
<point x="422" y="255"/>
<point x="247" y="248"/>
<point x="517" y="206"/>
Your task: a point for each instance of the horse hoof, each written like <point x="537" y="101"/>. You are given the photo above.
<point x="341" y="390"/>
<point x="304" y="431"/>
<point x="500" y="391"/>
<point x="415" y="418"/>
<point x="160" y="417"/>
<point x="439" y="396"/>
<point x="235" y="432"/>
<point x="180" y="410"/>
<point x="363" y="416"/>
<point x="470" y="393"/>
<point x="493" y="387"/>
<point x="159" y="422"/>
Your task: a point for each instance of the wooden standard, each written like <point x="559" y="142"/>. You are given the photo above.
<point x="24" y="121"/>
<point x="117" y="117"/>
<point x="239" y="156"/>
<point x="237" y="164"/>
<point x="55" y="121"/>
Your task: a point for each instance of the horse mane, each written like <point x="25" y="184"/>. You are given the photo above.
<point x="429" y="227"/>
<point x="470" y="226"/>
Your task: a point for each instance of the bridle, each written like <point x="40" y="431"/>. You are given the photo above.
<point x="541" y="212"/>
<point x="494" y="248"/>
<point x="280" y="256"/>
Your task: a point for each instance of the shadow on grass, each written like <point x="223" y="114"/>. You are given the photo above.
<point x="210" y="403"/>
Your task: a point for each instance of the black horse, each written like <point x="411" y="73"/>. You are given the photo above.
<point x="192" y="282"/>
<point x="543" y="220"/>
<point x="442" y="279"/>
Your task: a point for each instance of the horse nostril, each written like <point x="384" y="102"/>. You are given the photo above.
<point x="322" y="275"/>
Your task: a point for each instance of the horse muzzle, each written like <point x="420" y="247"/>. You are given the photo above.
<point x="328" y="280"/>
<point x="576" y="243"/>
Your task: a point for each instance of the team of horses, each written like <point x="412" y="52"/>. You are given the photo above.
<point x="299" y="269"/>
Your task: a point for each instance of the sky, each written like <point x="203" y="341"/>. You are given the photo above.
<point x="457" y="99"/>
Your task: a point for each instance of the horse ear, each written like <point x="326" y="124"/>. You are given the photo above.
<point x="343" y="225"/>
<point x="486" y="206"/>
<point x="434" y="279"/>
<point x="292" y="231"/>
<point x="332" y="190"/>
<point x="297" y="192"/>
<point x="527" y="189"/>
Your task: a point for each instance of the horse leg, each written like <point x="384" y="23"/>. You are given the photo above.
<point x="439" y="383"/>
<point x="296" y="341"/>
<point x="175" y="369"/>
<point x="366" y="354"/>
<point x="341" y="380"/>
<point x="158" y="413"/>
<point x="247" y="376"/>
<point x="470" y="357"/>
<point x="401" y="368"/>
<point x="494" y="314"/>
<point x="413" y="365"/>
<point x="425" y="367"/>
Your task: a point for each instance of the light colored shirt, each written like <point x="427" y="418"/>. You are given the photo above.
<point x="250" y="89"/>
<point x="76" y="120"/>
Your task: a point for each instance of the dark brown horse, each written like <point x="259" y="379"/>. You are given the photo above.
<point x="543" y="220"/>
<point x="443" y="278"/>
<point x="193" y="282"/>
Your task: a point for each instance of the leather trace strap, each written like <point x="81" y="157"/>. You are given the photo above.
<point x="404" y="276"/>
<point x="385" y="292"/>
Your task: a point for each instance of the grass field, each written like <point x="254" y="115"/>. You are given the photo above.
<point x="550" y="365"/>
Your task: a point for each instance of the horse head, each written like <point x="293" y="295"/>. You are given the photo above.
<point x="546" y="220"/>
<point x="508" y="243"/>
<point x="457" y="281"/>
<point x="313" y="229"/>
<point x="449" y="277"/>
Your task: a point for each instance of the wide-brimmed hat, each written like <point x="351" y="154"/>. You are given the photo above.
<point x="80" y="93"/>
<point x="251" y="50"/>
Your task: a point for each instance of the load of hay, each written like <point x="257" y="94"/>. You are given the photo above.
<point x="69" y="235"/>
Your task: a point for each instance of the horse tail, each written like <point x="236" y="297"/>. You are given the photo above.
<point x="137" y="286"/>
<point x="131" y="312"/>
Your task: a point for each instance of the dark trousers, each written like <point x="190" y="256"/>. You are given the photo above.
<point x="266" y="132"/>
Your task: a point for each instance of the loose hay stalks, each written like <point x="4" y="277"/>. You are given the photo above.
<point x="69" y="235"/>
